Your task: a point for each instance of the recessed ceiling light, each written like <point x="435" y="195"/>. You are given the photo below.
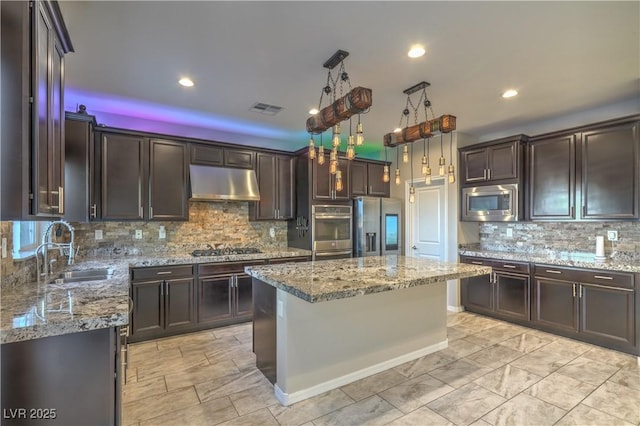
<point x="416" y="51"/>
<point x="397" y="130"/>
<point x="186" y="82"/>
<point x="313" y="111"/>
<point x="510" y="93"/>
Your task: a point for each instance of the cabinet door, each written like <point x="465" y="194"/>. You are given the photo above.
<point x="56" y="142"/>
<point x="512" y="295"/>
<point x="286" y="187"/>
<point x="503" y="161"/>
<point x="215" y="298"/>
<point x="552" y="178"/>
<point x="206" y="155"/>
<point x="244" y="300"/>
<point x="179" y="303"/>
<point x="555" y="304"/>
<point x="610" y="170"/>
<point x="359" y="180"/>
<point x="607" y="314"/>
<point x="474" y="165"/>
<point x="477" y="293"/>
<point x="377" y="187"/>
<point x="122" y="175"/>
<point x="267" y="185"/>
<point x="147" y="316"/>
<point x="239" y="158"/>
<point x="168" y="191"/>
<point x="322" y="180"/>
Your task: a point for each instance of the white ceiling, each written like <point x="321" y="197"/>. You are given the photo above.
<point x="563" y="57"/>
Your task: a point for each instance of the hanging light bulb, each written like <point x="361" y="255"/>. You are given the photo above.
<point x="405" y="153"/>
<point x="312" y="149"/>
<point x="398" y="165"/>
<point x="336" y="135"/>
<point x="333" y="161"/>
<point x="425" y="159"/>
<point x="385" y="174"/>
<point x="339" y="186"/>
<point x="451" y="170"/>
<point x="359" y="133"/>
<point x="412" y="194"/>
<point x="321" y="152"/>
<point x="427" y="176"/>
<point x="351" y="152"/>
<point x="442" y="161"/>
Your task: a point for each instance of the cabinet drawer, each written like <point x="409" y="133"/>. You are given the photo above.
<point x="287" y="260"/>
<point x="555" y="272"/>
<point x="606" y="278"/>
<point x="508" y="266"/>
<point x="476" y="260"/>
<point x="205" y="269"/>
<point x="161" y="272"/>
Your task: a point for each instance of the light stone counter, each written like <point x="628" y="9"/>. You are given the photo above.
<point x="336" y="279"/>
<point x="29" y="311"/>
<point x="577" y="260"/>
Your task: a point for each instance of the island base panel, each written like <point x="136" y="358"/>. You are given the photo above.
<point x="322" y="346"/>
<point x="264" y="328"/>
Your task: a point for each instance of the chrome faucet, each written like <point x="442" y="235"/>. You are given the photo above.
<point x="65" y="249"/>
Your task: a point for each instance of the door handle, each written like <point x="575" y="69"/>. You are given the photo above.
<point x="574" y="289"/>
<point x="414" y="247"/>
<point x="509" y="266"/>
<point x="93" y="212"/>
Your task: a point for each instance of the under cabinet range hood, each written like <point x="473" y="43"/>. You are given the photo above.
<point x="223" y="183"/>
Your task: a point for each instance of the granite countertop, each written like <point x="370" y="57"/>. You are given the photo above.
<point x="29" y="311"/>
<point x="336" y="279"/>
<point x="573" y="259"/>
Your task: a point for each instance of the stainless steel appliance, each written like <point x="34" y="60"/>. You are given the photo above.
<point x="498" y="203"/>
<point x="377" y="226"/>
<point x="331" y="232"/>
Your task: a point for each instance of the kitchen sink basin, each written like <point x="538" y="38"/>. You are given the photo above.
<point x="84" y="275"/>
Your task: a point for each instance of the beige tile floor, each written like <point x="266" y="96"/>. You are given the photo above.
<point x="492" y="373"/>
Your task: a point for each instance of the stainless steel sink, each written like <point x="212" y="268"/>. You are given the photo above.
<point x="84" y="275"/>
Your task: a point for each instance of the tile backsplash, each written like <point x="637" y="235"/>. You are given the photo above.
<point x="222" y="223"/>
<point x="546" y="237"/>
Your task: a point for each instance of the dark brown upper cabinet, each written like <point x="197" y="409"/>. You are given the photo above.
<point x="586" y="174"/>
<point x="366" y="179"/>
<point x="276" y="183"/>
<point x="141" y="179"/>
<point x="212" y="155"/>
<point x="610" y="169"/>
<point x="34" y="42"/>
<point x="168" y="190"/>
<point x="552" y="178"/>
<point x="79" y="167"/>
<point x="492" y="162"/>
<point x="323" y="183"/>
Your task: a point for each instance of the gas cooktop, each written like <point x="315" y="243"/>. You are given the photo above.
<point x="210" y="251"/>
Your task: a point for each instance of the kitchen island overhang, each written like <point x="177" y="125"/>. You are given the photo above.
<point x="322" y="325"/>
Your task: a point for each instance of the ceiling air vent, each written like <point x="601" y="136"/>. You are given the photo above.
<point x="266" y="109"/>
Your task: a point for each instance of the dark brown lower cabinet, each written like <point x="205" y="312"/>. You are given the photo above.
<point x="224" y="293"/>
<point x="596" y="306"/>
<point x="162" y="306"/>
<point x="504" y="293"/>
<point x="71" y="379"/>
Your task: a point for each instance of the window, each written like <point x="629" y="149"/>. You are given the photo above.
<point x="26" y="238"/>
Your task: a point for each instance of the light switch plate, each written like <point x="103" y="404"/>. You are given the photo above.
<point x="509" y="232"/>
<point x="272" y="232"/>
<point x="98" y="234"/>
<point x="612" y="235"/>
<point x="4" y="248"/>
<point x="162" y="232"/>
<point x="138" y="235"/>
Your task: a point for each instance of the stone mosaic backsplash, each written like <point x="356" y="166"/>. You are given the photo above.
<point x="569" y="237"/>
<point x="222" y="223"/>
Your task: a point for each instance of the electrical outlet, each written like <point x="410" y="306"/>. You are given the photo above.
<point x="98" y="234"/>
<point x="162" y="232"/>
<point x="4" y="248"/>
<point x="272" y="232"/>
<point x="510" y="232"/>
<point x="138" y="234"/>
<point x="612" y="235"/>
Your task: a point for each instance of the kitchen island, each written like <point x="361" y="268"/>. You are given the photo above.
<point x="321" y="325"/>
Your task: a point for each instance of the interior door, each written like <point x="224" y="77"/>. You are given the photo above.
<point x="427" y="222"/>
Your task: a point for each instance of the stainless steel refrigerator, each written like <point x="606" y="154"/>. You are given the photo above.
<point x="377" y="226"/>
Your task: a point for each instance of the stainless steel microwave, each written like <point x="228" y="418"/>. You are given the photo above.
<point x="497" y="203"/>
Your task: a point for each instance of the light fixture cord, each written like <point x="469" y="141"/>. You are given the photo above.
<point x="441" y="150"/>
<point x="450" y="147"/>
<point x="411" y="159"/>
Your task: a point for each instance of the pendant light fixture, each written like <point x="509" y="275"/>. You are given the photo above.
<point x="398" y="165"/>
<point x="342" y="106"/>
<point x="412" y="190"/>
<point x="423" y="130"/>
<point x="385" y="170"/>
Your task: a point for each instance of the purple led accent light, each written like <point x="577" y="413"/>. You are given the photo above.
<point x="149" y="111"/>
